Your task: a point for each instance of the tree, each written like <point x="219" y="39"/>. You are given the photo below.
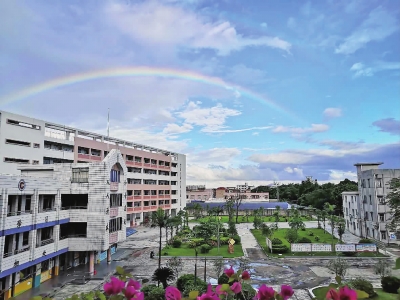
<point x="341" y="227"/>
<point x="176" y="265"/>
<point x="382" y="268"/>
<point x="291" y="235"/>
<point x="237" y="202"/>
<point x="218" y="266"/>
<point x="318" y="215"/>
<point x="296" y="223"/>
<point x="393" y="201"/>
<point x="229" y="208"/>
<point x="163" y="275"/>
<point x="339" y="266"/>
<point x="332" y="218"/>
<point x="159" y="219"/>
<point x="324" y="215"/>
<point x="247" y="213"/>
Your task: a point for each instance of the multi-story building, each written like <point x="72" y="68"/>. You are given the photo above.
<point x="373" y="211"/>
<point x="155" y="178"/>
<point x="351" y="212"/>
<point x="199" y="193"/>
<point x="57" y="216"/>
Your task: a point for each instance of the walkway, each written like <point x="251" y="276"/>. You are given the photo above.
<point x="249" y="243"/>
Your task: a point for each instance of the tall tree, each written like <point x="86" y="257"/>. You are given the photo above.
<point x="229" y="208"/>
<point x="237" y="202"/>
<point x="159" y="218"/>
<point x="332" y="218"/>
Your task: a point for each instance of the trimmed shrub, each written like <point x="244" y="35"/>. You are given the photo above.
<point x="311" y="233"/>
<point x="280" y="249"/>
<point x="237" y="239"/>
<point x="363" y="285"/>
<point x="304" y="240"/>
<point x="153" y="292"/>
<point x="276" y="241"/>
<point x="248" y="292"/>
<point x="365" y="241"/>
<point x="176" y="243"/>
<point x="390" y="284"/>
<point x="291" y="235"/>
<point x="303" y="229"/>
<point x="196" y="242"/>
<point x="224" y="240"/>
<point x="200" y="286"/>
<point x="317" y="238"/>
<point x="183" y="281"/>
<point x="205" y="248"/>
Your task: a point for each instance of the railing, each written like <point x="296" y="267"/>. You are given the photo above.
<point x="18" y="213"/>
<point x="47" y="209"/>
<point x="84" y="235"/>
<point x="44" y="242"/>
<point x="137" y="208"/>
<point x="73" y="207"/>
<point x="15" y="252"/>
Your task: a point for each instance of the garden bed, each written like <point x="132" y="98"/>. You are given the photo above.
<point x="323" y="238"/>
<point x="184" y="250"/>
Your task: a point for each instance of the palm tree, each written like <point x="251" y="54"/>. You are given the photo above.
<point x="159" y="218"/>
<point x="318" y="215"/>
<point x="163" y="275"/>
<point x="332" y="218"/>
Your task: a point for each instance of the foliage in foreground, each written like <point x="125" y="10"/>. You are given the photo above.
<point x="237" y="287"/>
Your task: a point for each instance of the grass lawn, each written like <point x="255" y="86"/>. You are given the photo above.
<point x="250" y="219"/>
<point x="324" y="238"/>
<point x="184" y="250"/>
<point x="320" y="294"/>
<point x="397" y="263"/>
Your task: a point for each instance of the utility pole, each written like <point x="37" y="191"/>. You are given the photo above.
<point x="277" y="189"/>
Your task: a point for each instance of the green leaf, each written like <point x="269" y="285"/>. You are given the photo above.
<point x="100" y="295"/>
<point x="338" y="279"/>
<point x="333" y="286"/>
<point x="37" y="298"/>
<point x="75" y="297"/>
<point x="362" y="295"/>
<point x="193" y="294"/>
<point x="120" y="270"/>
<point x="225" y="287"/>
<point x="231" y="279"/>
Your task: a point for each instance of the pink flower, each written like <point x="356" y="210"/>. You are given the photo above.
<point x="172" y="293"/>
<point x="130" y="292"/>
<point x="210" y="295"/>
<point x="138" y="296"/>
<point x="134" y="283"/>
<point x="229" y="272"/>
<point x="343" y="294"/>
<point x="286" y="292"/>
<point x="236" y="287"/>
<point x="114" y="287"/>
<point x="219" y="292"/>
<point x="245" y="275"/>
<point x="265" y="293"/>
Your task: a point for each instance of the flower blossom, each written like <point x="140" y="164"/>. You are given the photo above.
<point x="172" y="293"/>
<point x="219" y="291"/>
<point x="134" y="283"/>
<point x="265" y="293"/>
<point x="236" y="287"/>
<point x="286" y="292"/>
<point x="245" y="275"/>
<point x="209" y="295"/>
<point x="114" y="287"/>
<point x="343" y="294"/>
<point x="229" y="272"/>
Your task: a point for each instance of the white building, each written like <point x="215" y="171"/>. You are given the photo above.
<point x="58" y="216"/>
<point x="351" y="212"/>
<point x="373" y="213"/>
<point x="155" y="177"/>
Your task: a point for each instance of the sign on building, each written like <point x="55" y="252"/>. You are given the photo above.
<point x="300" y="247"/>
<point x="321" y="248"/>
<point x="366" y="248"/>
<point x="345" y="248"/>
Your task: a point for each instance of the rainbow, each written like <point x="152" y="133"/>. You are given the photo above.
<point x="139" y="72"/>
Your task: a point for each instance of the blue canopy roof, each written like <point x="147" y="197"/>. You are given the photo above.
<point x="245" y="205"/>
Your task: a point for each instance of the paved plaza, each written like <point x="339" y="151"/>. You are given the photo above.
<point x="300" y="273"/>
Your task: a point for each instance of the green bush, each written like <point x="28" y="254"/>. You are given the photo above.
<point x="280" y="249"/>
<point x="153" y="292"/>
<point x="276" y="241"/>
<point x="196" y="242"/>
<point x="304" y="240"/>
<point x="200" y="286"/>
<point x="223" y="279"/>
<point x="176" y="243"/>
<point x="291" y="235"/>
<point x="183" y="280"/>
<point x="205" y="248"/>
<point x="363" y="285"/>
<point x="224" y="240"/>
<point x="237" y="239"/>
<point x="303" y="229"/>
<point x="365" y="241"/>
<point x="311" y="233"/>
<point x="390" y="284"/>
<point x="248" y="292"/>
<point x="316" y="238"/>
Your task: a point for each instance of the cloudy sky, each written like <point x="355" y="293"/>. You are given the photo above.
<point x="252" y="91"/>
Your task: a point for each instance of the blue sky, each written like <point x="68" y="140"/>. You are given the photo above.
<point x="331" y="67"/>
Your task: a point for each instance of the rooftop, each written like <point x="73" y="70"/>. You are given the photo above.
<point x="369" y="164"/>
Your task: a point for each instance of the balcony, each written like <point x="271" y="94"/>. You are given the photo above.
<point x="44" y="242"/>
<point x="43" y="250"/>
<point x="18" y="219"/>
<point x="12" y="260"/>
<point x="137" y="197"/>
<point x="130" y="198"/>
<point x="15" y="252"/>
<point x="60" y="154"/>
<point x="137" y="208"/>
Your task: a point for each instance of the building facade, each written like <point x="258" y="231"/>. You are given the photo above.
<point x="351" y="211"/>
<point x="57" y="216"/>
<point x="155" y="178"/>
<point x="373" y="211"/>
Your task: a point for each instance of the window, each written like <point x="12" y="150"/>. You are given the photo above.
<point x="16" y="160"/>
<point x="382" y="217"/>
<point x="23" y="124"/>
<point x="80" y="175"/>
<point x="383" y="235"/>
<point x="36" y="145"/>
<point x="35" y="162"/>
<point x="380" y="200"/>
<point x="378" y="183"/>
<point x="115" y="176"/>
<point x="115" y="200"/>
<point x="369" y="183"/>
<point x="153" y="202"/>
<point x="347" y="212"/>
<point x="18" y="143"/>
<point x="370" y="199"/>
<point x="363" y="183"/>
<point x="173" y="201"/>
<point x="372" y="216"/>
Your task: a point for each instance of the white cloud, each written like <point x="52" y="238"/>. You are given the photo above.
<point x="176" y="129"/>
<point x="332" y="112"/>
<point x="241" y="130"/>
<point x="264" y="25"/>
<point x="338" y="175"/>
<point x="211" y="119"/>
<point x="359" y="69"/>
<point x="255" y="133"/>
<point x="156" y="23"/>
<point x="297" y="130"/>
<point x="379" y="25"/>
<point x="243" y="74"/>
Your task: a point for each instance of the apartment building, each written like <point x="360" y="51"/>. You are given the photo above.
<point x="199" y="193"/>
<point x="371" y="212"/>
<point x="155" y="177"/>
<point x="57" y="216"/>
<point x="351" y="212"/>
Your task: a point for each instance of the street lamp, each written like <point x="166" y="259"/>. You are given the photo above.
<point x="195" y="266"/>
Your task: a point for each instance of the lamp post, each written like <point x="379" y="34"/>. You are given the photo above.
<point x="205" y="269"/>
<point x="195" y="267"/>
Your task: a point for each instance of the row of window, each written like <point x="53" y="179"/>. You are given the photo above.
<point x="367" y="183"/>
<point x="151" y="182"/>
<point x="355" y="226"/>
<point x="150" y="192"/>
<point x="20" y="161"/>
<point x="150" y="203"/>
<point x="23" y="124"/>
